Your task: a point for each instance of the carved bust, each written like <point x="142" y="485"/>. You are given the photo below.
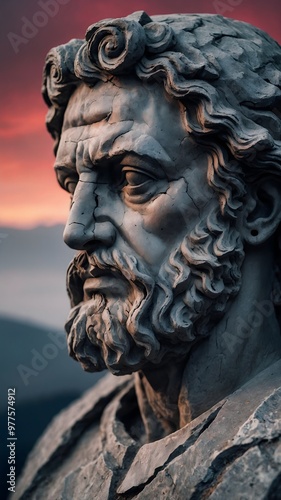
<point x="167" y="137"/>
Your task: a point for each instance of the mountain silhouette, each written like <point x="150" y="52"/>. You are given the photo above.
<point x="34" y="361"/>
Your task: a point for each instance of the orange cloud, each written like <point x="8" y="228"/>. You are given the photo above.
<point x="13" y="126"/>
<point x="29" y="193"/>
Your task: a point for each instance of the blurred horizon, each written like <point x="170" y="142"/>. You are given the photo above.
<point x="33" y="264"/>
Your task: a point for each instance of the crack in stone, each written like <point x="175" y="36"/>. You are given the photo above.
<point x="218" y="467"/>
<point x="96" y="201"/>
<point x="189" y="195"/>
<point x="119" y="474"/>
<point x="275" y="489"/>
<point x="177" y="452"/>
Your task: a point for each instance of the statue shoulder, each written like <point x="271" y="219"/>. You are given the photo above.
<point x="231" y="451"/>
<point x="61" y="435"/>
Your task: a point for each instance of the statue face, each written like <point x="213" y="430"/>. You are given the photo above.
<point x="139" y="196"/>
<point x="141" y="178"/>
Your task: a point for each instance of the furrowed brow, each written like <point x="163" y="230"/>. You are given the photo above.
<point x="131" y="143"/>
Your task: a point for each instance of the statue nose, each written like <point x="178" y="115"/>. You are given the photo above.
<point x="80" y="237"/>
<point x="84" y="230"/>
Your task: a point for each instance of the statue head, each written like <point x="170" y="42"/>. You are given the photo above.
<point x="167" y="137"/>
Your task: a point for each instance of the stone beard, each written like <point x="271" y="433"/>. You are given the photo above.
<point x="135" y="319"/>
<point x="167" y="137"/>
<point x="128" y="87"/>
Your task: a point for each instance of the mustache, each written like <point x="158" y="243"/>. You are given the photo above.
<point x="130" y="268"/>
<point x="115" y="263"/>
<point x="155" y="317"/>
<point x="127" y="267"/>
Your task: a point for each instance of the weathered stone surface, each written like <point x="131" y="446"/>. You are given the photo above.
<point x="91" y="481"/>
<point x="167" y="137"/>
<point x="198" y="466"/>
<point x="153" y="457"/>
<point x="248" y="477"/>
<point x="65" y="431"/>
<point x="222" y="452"/>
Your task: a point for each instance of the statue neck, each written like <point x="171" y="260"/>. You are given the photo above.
<point x="245" y="342"/>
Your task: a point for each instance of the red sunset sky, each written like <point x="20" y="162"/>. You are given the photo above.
<point x="29" y="194"/>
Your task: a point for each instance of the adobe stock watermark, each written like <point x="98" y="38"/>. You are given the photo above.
<point x="224" y="7"/>
<point x="3" y="236"/>
<point x="40" y="360"/>
<point x="31" y="26"/>
<point x="244" y="327"/>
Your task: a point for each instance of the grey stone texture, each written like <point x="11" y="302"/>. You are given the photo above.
<point x="167" y="138"/>
<point x="231" y="451"/>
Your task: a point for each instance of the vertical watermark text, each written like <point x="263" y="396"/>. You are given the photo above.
<point x="11" y="440"/>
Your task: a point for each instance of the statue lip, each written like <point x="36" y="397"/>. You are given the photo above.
<point x="104" y="282"/>
<point x="96" y="272"/>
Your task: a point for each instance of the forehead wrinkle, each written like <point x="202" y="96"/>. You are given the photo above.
<point x="92" y="141"/>
<point x="141" y="144"/>
<point x="131" y="103"/>
<point x="124" y="132"/>
<point x="96" y="148"/>
<point x="85" y="108"/>
<point x="102" y="143"/>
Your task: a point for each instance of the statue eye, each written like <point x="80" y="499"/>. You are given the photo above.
<point x="138" y="183"/>
<point x="136" y="178"/>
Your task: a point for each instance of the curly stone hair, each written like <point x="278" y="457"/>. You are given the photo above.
<point x="227" y="74"/>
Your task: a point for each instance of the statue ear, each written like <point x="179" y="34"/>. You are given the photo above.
<point x="262" y="211"/>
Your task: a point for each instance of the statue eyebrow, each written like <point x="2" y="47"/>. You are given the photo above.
<point x="119" y="160"/>
<point x="142" y="146"/>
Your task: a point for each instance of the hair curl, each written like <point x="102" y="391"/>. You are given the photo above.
<point x="226" y="73"/>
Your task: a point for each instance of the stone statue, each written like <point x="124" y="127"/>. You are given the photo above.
<point x="167" y="137"/>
